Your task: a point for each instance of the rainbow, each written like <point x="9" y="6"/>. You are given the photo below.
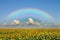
<point x="29" y="12"/>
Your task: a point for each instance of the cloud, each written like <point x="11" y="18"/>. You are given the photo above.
<point x="42" y="22"/>
<point x="30" y="21"/>
<point x="37" y="23"/>
<point x="4" y="24"/>
<point x="16" y="22"/>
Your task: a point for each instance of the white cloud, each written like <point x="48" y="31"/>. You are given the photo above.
<point x="37" y="23"/>
<point x="16" y="22"/>
<point x="43" y="22"/>
<point x="30" y="21"/>
<point x="4" y="24"/>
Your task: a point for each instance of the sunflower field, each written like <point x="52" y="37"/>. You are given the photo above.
<point x="30" y="34"/>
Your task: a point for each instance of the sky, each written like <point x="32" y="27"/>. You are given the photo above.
<point x="52" y="7"/>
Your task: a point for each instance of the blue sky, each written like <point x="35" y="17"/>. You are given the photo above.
<point x="50" y="6"/>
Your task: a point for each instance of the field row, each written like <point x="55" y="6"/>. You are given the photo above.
<point x="29" y="34"/>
